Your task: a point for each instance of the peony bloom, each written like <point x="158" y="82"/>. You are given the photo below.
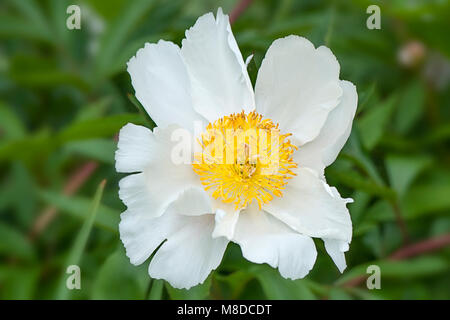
<point x="188" y="211"/>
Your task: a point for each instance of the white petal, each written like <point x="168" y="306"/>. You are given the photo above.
<point x="134" y="191"/>
<point x="297" y="86"/>
<point x="336" y="249"/>
<point x="134" y="151"/>
<point x="226" y="219"/>
<point x="161" y="181"/>
<point x="248" y="60"/>
<point x="188" y="255"/>
<point x="142" y="234"/>
<point x="162" y="84"/>
<point x="185" y="204"/>
<point x="264" y="239"/>
<point x="219" y="79"/>
<point x="313" y="208"/>
<point x="323" y="150"/>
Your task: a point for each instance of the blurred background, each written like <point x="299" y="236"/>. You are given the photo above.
<point x="64" y="95"/>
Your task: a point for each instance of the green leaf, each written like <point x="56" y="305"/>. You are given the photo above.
<point x="410" y="107"/>
<point x="116" y="36"/>
<point x="18" y="282"/>
<point x="33" y="15"/>
<point x="353" y="152"/>
<point x="93" y="110"/>
<point x="26" y="148"/>
<point x="96" y="149"/>
<point x="366" y="294"/>
<point x="438" y="134"/>
<point x="440" y="226"/>
<point x="20" y="185"/>
<point x="30" y="14"/>
<point x="43" y="142"/>
<point x="78" y="207"/>
<point x="149" y="122"/>
<point x="236" y="282"/>
<point x="58" y="17"/>
<point x="157" y="290"/>
<point x="426" y="199"/>
<point x="10" y="124"/>
<point x="372" y="124"/>
<point x="402" y="170"/>
<point x="39" y="72"/>
<point x="276" y="287"/>
<point x="96" y="128"/>
<point x="408" y="269"/>
<point x="356" y="181"/>
<point x="365" y="97"/>
<point x="358" y="207"/>
<point x="118" y="279"/>
<point x="15" y="244"/>
<point x="198" y="292"/>
<point x="11" y="27"/>
<point x="339" y="294"/>
<point x="79" y="244"/>
<point x="380" y="211"/>
<point x="120" y="62"/>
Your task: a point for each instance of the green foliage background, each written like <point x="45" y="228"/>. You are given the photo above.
<point x="65" y="94"/>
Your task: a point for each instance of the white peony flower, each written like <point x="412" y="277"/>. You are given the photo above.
<point x="188" y="212"/>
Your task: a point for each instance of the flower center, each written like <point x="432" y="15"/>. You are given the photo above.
<point x="243" y="158"/>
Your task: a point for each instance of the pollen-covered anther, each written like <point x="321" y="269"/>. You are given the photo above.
<point x="243" y="158"/>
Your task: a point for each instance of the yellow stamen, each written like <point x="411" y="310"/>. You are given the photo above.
<point x="244" y="158"/>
